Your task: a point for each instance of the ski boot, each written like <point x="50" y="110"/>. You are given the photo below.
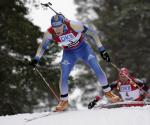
<point x="112" y="97"/>
<point x="62" y="105"/>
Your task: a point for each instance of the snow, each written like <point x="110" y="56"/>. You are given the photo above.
<point x="116" y="116"/>
<point x="41" y="17"/>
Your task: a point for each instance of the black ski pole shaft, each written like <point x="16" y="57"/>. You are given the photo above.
<point x="26" y="61"/>
<point x="53" y="10"/>
<point x="128" y="78"/>
<point x="53" y="92"/>
<point x="49" y="6"/>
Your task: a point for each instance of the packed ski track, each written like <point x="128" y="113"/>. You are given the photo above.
<point x="115" y="116"/>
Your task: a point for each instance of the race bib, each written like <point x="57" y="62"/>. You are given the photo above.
<point x="125" y="88"/>
<point x="67" y="37"/>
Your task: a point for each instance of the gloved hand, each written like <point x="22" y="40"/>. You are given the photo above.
<point x="34" y="61"/>
<point x="91" y="104"/>
<point x="94" y="102"/>
<point x="104" y="54"/>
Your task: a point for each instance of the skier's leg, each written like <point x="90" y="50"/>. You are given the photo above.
<point x="91" y="60"/>
<point x="67" y="64"/>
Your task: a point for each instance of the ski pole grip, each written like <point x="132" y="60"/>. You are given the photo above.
<point x="46" y="5"/>
<point x="49" y="3"/>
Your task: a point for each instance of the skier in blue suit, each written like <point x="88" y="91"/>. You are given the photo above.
<point x="71" y="36"/>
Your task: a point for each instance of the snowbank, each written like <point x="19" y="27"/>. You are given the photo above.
<point x="117" y="116"/>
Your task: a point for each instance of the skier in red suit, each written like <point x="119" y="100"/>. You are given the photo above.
<point x="128" y="87"/>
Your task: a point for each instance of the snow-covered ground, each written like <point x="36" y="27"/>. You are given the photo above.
<point x="117" y="116"/>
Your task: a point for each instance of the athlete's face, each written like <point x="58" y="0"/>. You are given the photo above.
<point x="123" y="78"/>
<point x="123" y="74"/>
<point x="59" y="30"/>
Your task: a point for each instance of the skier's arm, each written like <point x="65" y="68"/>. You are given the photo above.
<point x="138" y="81"/>
<point x="93" y="34"/>
<point x="43" y="46"/>
<point x="41" y="49"/>
<point x="79" y="27"/>
<point x="141" y="83"/>
<point x="101" y="48"/>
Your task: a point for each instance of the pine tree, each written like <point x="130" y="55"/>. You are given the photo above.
<point x="21" y="89"/>
<point x="124" y="30"/>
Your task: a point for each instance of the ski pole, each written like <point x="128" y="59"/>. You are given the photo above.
<point x="26" y="61"/>
<point x="47" y="84"/>
<point x="115" y="66"/>
<point x="135" y="84"/>
<point x="49" y="6"/>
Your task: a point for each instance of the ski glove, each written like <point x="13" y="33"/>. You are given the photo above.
<point x="34" y="61"/>
<point x="91" y="104"/>
<point x="104" y="54"/>
<point x="94" y="102"/>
